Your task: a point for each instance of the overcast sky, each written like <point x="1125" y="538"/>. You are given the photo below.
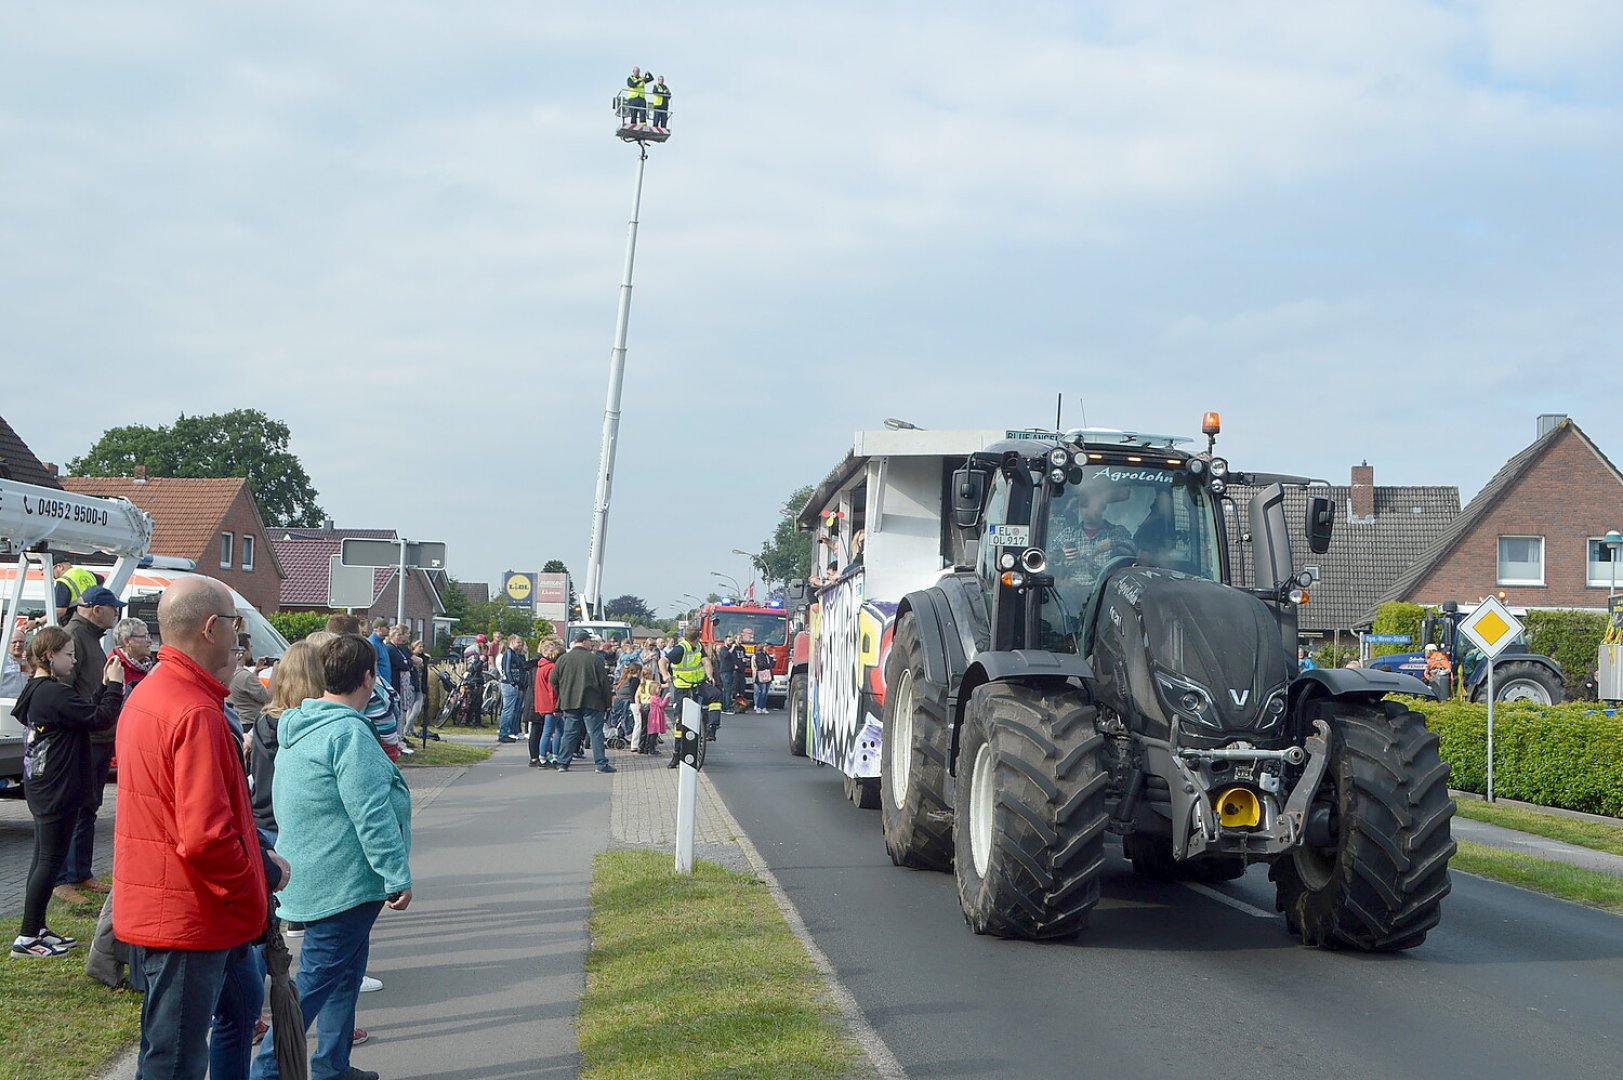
<point x="1372" y="230"/>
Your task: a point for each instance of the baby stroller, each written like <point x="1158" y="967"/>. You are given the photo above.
<point x="617" y="730"/>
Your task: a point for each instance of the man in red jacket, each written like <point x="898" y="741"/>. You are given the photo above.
<point x="187" y="864"/>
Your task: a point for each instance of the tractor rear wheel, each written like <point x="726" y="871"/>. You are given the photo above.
<point x="1522" y="681"/>
<point x="795" y="707"/>
<point x="1379" y="887"/>
<point x="1031" y="812"/>
<point x="913" y="805"/>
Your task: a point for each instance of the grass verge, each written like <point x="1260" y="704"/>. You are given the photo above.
<point x="56" y="1022"/>
<point x="444" y="753"/>
<point x="1589" y="834"/>
<point x="700" y="977"/>
<point x="1589" y="887"/>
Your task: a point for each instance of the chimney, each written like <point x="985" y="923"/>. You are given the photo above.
<point x="1548" y="422"/>
<point x="1363" y="492"/>
<point x="52" y="470"/>
<point x="140" y="474"/>
<point x="326" y="523"/>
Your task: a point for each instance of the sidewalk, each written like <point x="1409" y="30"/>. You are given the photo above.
<point x="483" y="974"/>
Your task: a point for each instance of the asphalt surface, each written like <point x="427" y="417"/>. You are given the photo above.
<point x="1173" y="979"/>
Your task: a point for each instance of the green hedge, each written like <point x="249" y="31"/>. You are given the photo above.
<point x="1398" y="617"/>
<point x="1572" y="638"/>
<point x="298" y="624"/>
<point x="1564" y="755"/>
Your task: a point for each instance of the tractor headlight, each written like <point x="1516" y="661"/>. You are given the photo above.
<point x="1196" y="466"/>
<point x="1273" y="712"/>
<point x="1056" y="476"/>
<point x="1220" y="468"/>
<point x="1058" y="458"/>
<point x="1007" y="560"/>
<point x="1188" y="700"/>
<point x="1035" y="560"/>
<point x="1217" y="487"/>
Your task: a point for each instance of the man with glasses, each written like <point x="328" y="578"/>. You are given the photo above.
<point x="192" y="879"/>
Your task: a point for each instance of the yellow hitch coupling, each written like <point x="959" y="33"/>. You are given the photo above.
<point x="1238" y="808"/>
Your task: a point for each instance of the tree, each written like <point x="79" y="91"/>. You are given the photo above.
<point x="628" y="608"/>
<point x="787" y="554"/>
<point x="556" y="566"/>
<point x="243" y="442"/>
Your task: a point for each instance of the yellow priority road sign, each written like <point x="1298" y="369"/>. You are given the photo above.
<point x="1491" y="626"/>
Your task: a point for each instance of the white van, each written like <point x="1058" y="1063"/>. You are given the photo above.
<point x="141" y="593"/>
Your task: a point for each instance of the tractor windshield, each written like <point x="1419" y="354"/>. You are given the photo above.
<point x="1118" y="515"/>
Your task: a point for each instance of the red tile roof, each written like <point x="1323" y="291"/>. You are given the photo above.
<point x="186" y="512"/>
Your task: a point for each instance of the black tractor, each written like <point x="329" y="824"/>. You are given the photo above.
<point x="1088" y="670"/>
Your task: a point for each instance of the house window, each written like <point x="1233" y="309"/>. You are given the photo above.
<point x="1600" y="563"/>
<point x="226" y="541"/>
<point x="1521" y="560"/>
<point x="247" y="553"/>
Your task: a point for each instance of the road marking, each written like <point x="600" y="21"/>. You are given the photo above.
<point x="885" y="1063"/>
<point x="1229" y="901"/>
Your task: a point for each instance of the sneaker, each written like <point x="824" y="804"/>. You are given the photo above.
<point x="404" y="749"/>
<point x="93" y="884"/>
<point x="35" y="949"/>
<point x="607" y="768"/>
<point x="51" y="937"/>
<point x="535" y="763"/>
<point x="671" y="764"/>
<point x="560" y="768"/>
<point x="357" y="1039"/>
<point x="369" y="984"/>
<point x="69" y="895"/>
<point x="359" y="1074"/>
<point x="293" y="929"/>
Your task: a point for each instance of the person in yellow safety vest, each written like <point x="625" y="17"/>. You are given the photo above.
<point x="636" y="109"/>
<point x="659" y="100"/>
<point x="70" y="585"/>
<point x="688" y="669"/>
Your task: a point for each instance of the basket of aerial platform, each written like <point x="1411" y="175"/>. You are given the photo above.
<point x="638" y="118"/>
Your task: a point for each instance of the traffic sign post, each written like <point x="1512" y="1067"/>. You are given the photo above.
<point x="400" y="554"/>
<point x="1491" y="627"/>
<point x="688" y="734"/>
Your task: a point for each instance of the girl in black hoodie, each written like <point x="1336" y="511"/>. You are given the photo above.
<point x="58" y="777"/>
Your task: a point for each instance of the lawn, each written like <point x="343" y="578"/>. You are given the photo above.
<point x="700" y="977"/>
<point x="444" y="753"/>
<point x="1589" y="887"/>
<point x="57" y="1023"/>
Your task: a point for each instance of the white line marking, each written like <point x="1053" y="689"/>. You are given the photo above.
<point x="1229" y="901"/>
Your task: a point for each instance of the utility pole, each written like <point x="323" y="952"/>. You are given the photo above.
<point x="630" y="131"/>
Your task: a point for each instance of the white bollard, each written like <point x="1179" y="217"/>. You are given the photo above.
<point x="687" y="791"/>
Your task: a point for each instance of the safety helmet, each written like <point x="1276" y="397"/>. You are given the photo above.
<point x="481" y="639"/>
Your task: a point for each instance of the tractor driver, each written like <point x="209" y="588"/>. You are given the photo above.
<point x="1087" y="546"/>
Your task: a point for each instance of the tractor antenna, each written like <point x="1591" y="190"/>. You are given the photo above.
<point x="1059" y="409"/>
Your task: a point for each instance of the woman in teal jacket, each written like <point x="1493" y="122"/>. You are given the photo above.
<point x="345" y="819"/>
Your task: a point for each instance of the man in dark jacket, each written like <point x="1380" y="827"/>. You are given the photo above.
<point x="583" y="687"/>
<point x="99" y="608"/>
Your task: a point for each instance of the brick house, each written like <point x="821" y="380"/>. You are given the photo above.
<point x="215" y="523"/>
<point x="307" y="555"/>
<point x="1380" y="532"/>
<point x="18" y="463"/>
<point x="1533" y="532"/>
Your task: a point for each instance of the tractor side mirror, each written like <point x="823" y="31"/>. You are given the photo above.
<point x="794" y="593"/>
<point x="1321" y="521"/>
<point x="968" y="490"/>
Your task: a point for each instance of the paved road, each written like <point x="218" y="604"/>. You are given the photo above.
<point x="1169" y="980"/>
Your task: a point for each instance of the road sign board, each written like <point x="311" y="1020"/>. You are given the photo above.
<point x="1492" y="627"/>
<point x="426" y="554"/>
<point x="518" y="586"/>
<point x="1387" y="639"/>
<point x="349" y="586"/>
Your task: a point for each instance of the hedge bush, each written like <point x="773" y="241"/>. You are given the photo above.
<point x="1572" y="638"/>
<point x="298" y="624"/>
<point x="1399" y="617"/>
<point x="1569" y="756"/>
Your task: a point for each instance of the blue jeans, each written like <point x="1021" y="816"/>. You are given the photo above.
<point x="329" y="981"/>
<point x="82" y="845"/>
<point x="508" y="728"/>
<point x="589" y="721"/>
<point x="181" y="988"/>
<point x="242" y="995"/>
<point x="762" y="689"/>
<point x="546" y="737"/>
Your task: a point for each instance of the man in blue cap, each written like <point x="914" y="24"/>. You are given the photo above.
<point x="97" y="610"/>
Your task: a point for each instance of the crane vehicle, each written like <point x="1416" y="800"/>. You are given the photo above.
<point x="36" y="525"/>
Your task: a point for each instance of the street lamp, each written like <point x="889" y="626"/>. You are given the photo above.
<point x="755" y="563"/>
<point x="738" y="590"/>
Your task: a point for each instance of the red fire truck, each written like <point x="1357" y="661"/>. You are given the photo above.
<point x="751" y="625"/>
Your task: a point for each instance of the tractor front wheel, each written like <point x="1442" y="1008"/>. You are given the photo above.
<point x="913" y="805"/>
<point x="1379" y="884"/>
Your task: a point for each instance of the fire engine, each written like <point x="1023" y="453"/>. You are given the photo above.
<point x="751" y="625"/>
